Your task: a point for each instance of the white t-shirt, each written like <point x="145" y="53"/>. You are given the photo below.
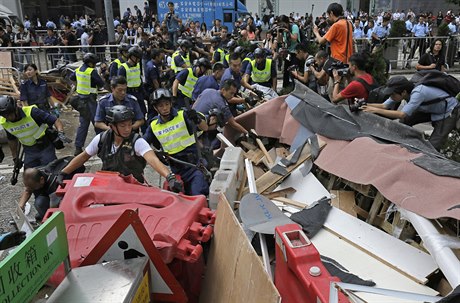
<point x="141" y="147"/>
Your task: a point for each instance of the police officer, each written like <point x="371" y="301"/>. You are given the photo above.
<point x="380" y="32"/>
<point x="185" y="81"/>
<point x="118" y="96"/>
<point x="122" y="57"/>
<point x="231" y="46"/>
<point x="131" y="70"/>
<point x="180" y="59"/>
<point x="34" y="91"/>
<point x="28" y="125"/>
<point x="41" y="182"/>
<point x="88" y="80"/>
<point x="209" y="81"/>
<point x="218" y="54"/>
<point x="171" y="131"/>
<point x="261" y="71"/>
<point x="419" y="31"/>
<point x="122" y="150"/>
<point x="153" y="70"/>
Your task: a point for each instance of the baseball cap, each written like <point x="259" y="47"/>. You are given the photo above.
<point x="396" y="84"/>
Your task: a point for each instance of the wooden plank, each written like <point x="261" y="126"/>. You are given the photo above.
<point x="13" y="84"/>
<point x="248" y="145"/>
<point x="269" y="179"/>
<point x="280" y="193"/>
<point x="242" y="185"/>
<point x="344" y="200"/>
<point x="234" y="272"/>
<point x="375" y="208"/>
<point x="258" y="172"/>
<point x="282" y="152"/>
<point x="363" y="189"/>
<point x="290" y="202"/>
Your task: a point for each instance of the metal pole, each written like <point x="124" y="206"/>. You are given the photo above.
<point x="109" y="20"/>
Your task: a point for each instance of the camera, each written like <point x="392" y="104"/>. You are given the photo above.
<point x="355" y="107"/>
<point x="341" y="68"/>
<point x="310" y="61"/>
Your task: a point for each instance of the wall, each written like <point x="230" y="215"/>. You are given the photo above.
<point x="14" y="6"/>
<point x="297" y="6"/>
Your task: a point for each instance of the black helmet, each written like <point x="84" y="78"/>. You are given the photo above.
<point x="203" y="62"/>
<point x="231" y="45"/>
<point x="187" y="44"/>
<point x="239" y="50"/>
<point x="7" y="105"/>
<point x="259" y="53"/>
<point x="135" y="51"/>
<point x="123" y="47"/>
<point x="216" y="39"/>
<point x="90" y="58"/>
<point x="119" y="113"/>
<point x="159" y="94"/>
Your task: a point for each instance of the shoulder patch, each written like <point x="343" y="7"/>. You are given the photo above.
<point x="131" y="97"/>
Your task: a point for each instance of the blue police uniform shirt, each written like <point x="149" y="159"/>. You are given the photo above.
<point x="108" y="101"/>
<point x="420" y="30"/>
<point x="358" y="33"/>
<point x="409" y="25"/>
<point x="381" y="31"/>
<point x="51" y="41"/>
<point x="204" y="83"/>
<point x="212" y="99"/>
<point x="369" y="32"/>
<point x="229" y="74"/>
<point x="40" y="117"/>
<point x="273" y="73"/>
<point x="245" y="63"/>
<point x="178" y="59"/>
<point x="152" y="72"/>
<point x="182" y="77"/>
<point x="113" y="68"/>
<point x="422" y="93"/>
<point x="34" y="93"/>
<point x="96" y="80"/>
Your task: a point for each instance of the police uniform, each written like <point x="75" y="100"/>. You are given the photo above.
<point x="114" y="66"/>
<point x="176" y="138"/>
<point x="262" y="76"/>
<point x="178" y="59"/>
<point x="420" y="31"/>
<point x="108" y="101"/>
<point x="203" y="83"/>
<point x="133" y="77"/>
<point x="218" y="55"/>
<point x="187" y="81"/>
<point x="87" y="82"/>
<point x="30" y="130"/>
<point x="35" y="94"/>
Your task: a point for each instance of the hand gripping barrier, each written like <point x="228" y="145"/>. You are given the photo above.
<point x="300" y="276"/>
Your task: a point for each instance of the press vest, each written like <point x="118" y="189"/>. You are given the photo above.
<point x="26" y="130"/>
<point x="84" y="81"/>
<point x="133" y="75"/>
<point x="186" y="59"/>
<point x="187" y="88"/>
<point x="124" y="160"/>
<point x="221" y="57"/>
<point x="260" y="76"/>
<point x="173" y="135"/>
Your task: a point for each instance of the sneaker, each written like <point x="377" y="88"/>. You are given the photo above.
<point x="78" y="150"/>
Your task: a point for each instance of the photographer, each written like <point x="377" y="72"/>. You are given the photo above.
<point x="307" y="77"/>
<point x="171" y="20"/>
<point x="340" y="35"/>
<point x="288" y="34"/>
<point x="356" y="89"/>
<point x="319" y="71"/>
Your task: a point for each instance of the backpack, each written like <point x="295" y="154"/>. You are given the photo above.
<point x="437" y="79"/>
<point x="375" y="91"/>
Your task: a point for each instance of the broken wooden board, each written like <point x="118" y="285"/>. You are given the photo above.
<point x="270" y="179"/>
<point x="234" y="272"/>
<point x="344" y="200"/>
<point x="280" y="193"/>
<point x="290" y="202"/>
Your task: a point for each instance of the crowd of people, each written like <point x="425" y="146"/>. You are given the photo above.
<point x="173" y="86"/>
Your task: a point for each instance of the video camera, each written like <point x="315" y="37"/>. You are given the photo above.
<point x="355" y="107"/>
<point x="341" y="68"/>
<point x="309" y="62"/>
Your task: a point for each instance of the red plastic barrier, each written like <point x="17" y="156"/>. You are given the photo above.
<point x="176" y="223"/>
<point x="300" y="276"/>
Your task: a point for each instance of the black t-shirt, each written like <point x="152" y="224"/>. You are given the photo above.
<point x="428" y="59"/>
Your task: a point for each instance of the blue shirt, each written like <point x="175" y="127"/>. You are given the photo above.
<point x="204" y="83"/>
<point x="152" y="72"/>
<point x="178" y="60"/>
<point x="421" y="94"/>
<point x="420" y="30"/>
<point x="171" y="23"/>
<point x="182" y="76"/>
<point x="212" y="99"/>
<point x="381" y="31"/>
<point x="229" y="74"/>
<point x="51" y="41"/>
<point x="34" y="93"/>
<point x="96" y="80"/>
<point x="40" y="117"/>
<point x="108" y="101"/>
<point x="358" y="33"/>
<point x="113" y="68"/>
<point x="273" y="73"/>
<point x="409" y="25"/>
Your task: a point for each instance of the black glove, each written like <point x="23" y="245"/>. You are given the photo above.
<point x="251" y="101"/>
<point x="194" y="116"/>
<point x="12" y="239"/>
<point x="175" y="185"/>
<point x="252" y="136"/>
<point x="2" y="155"/>
<point x="61" y="177"/>
<point x="259" y="93"/>
<point x="63" y="138"/>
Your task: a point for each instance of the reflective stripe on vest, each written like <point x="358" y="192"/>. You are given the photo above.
<point x="26" y="130"/>
<point x="173" y="135"/>
<point x="186" y="59"/>
<point x="227" y="58"/>
<point x="222" y="55"/>
<point x="260" y="76"/>
<point x="133" y="75"/>
<point x="187" y="89"/>
<point x="117" y="61"/>
<point x="84" y="81"/>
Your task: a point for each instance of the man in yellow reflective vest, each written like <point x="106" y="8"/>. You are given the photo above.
<point x="88" y="81"/>
<point x="260" y="71"/>
<point x="185" y="81"/>
<point x="122" y="57"/>
<point x="218" y="55"/>
<point x="28" y="125"/>
<point x="131" y="70"/>
<point x="172" y="131"/>
<point x="181" y="57"/>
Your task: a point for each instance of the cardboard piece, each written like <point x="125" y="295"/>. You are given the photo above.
<point x="235" y="274"/>
<point x="344" y="200"/>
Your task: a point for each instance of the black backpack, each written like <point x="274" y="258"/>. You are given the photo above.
<point x="375" y="91"/>
<point x="437" y="79"/>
